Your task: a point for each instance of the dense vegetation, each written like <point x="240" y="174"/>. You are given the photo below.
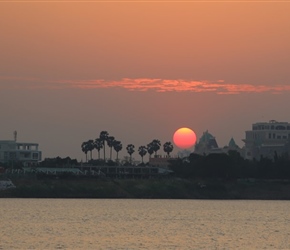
<point x="213" y="176"/>
<point x="231" y="166"/>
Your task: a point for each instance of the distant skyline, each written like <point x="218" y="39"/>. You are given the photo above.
<point x="140" y="70"/>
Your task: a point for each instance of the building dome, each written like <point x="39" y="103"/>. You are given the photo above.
<point x="206" y="137"/>
<point x="206" y="144"/>
<point x="232" y="143"/>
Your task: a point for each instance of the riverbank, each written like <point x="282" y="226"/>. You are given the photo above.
<point x="149" y="189"/>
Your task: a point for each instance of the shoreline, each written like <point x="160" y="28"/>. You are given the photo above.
<point x="171" y="188"/>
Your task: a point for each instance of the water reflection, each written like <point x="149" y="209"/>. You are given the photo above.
<point x="143" y="224"/>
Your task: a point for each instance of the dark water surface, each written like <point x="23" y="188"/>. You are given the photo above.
<point x="144" y="224"/>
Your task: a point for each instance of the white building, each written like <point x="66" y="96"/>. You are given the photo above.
<point x="12" y="151"/>
<point x="267" y="139"/>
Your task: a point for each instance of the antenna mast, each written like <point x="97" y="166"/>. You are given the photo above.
<point x="15" y="135"/>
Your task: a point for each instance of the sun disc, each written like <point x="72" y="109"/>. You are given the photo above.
<point x="184" y="138"/>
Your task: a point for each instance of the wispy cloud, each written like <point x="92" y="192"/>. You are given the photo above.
<point x="143" y="84"/>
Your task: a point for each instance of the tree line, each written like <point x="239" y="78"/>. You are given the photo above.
<point x="105" y="139"/>
<point x="231" y="166"/>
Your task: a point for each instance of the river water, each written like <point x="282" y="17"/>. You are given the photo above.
<point x="144" y="224"/>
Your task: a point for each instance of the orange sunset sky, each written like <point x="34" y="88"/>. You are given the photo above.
<point x="140" y="70"/>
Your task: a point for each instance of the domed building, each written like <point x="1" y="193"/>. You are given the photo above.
<point x="232" y="146"/>
<point x="208" y="145"/>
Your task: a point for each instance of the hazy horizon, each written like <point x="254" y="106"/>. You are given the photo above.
<point x="140" y="71"/>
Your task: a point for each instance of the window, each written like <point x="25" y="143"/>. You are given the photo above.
<point x="35" y="156"/>
<point x="26" y="155"/>
<point x="12" y="155"/>
<point x="270" y="135"/>
<point x="280" y="127"/>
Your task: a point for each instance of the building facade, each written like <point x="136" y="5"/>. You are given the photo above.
<point x="12" y="151"/>
<point x="267" y="139"/>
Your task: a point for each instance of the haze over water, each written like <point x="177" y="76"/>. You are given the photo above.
<point x="144" y="224"/>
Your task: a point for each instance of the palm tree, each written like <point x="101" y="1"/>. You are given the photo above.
<point x="142" y="152"/>
<point x="104" y="136"/>
<point x="117" y="147"/>
<point x="85" y="149"/>
<point x="98" y="146"/>
<point x="130" y="150"/>
<point x="156" y="146"/>
<point x="150" y="149"/>
<point x="110" y="142"/>
<point x="91" y="146"/>
<point x="168" y="147"/>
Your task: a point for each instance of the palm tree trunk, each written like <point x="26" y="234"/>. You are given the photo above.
<point x="104" y="150"/>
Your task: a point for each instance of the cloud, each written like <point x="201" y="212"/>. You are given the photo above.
<point x="143" y="84"/>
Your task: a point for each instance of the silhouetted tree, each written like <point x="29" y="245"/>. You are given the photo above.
<point x="85" y="149"/>
<point x="156" y="145"/>
<point x="168" y="147"/>
<point x="142" y="152"/>
<point x="91" y="146"/>
<point x="110" y="142"/>
<point x="150" y="149"/>
<point x="104" y="136"/>
<point x="130" y="150"/>
<point x="218" y="166"/>
<point x="117" y="147"/>
<point x="98" y="146"/>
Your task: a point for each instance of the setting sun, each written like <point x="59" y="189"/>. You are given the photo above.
<point x="184" y="138"/>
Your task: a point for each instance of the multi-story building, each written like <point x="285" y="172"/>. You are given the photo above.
<point x="12" y="151"/>
<point x="267" y="139"/>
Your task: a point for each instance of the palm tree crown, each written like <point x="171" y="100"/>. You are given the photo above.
<point x="110" y="142"/>
<point x="142" y="151"/>
<point x="85" y="149"/>
<point x="168" y="147"/>
<point x="98" y="145"/>
<point x="150" y="149"/>
<point x="117" y="147"/>
<point x="91" y="146"/>
<point x="130" y="150"/>
<point x="104" y="136"/>
<point x="156" y="145"/>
